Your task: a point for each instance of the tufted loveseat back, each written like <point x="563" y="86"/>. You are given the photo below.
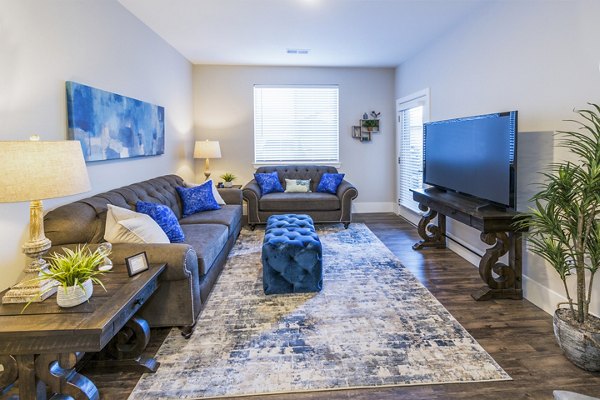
<point x="83" y="221"/>
<point x="312" y="172"/>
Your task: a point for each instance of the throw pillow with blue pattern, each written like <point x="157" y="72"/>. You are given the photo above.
<point x="268" y="182"/>
<point x="330" y="182"/>
<point x="164" y="217"/>
<point x="197" y="198"/>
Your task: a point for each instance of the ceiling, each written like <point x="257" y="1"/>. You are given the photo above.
<point x="353" y="33"/>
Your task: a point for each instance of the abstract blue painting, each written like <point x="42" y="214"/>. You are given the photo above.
<point x="110" y="126"/>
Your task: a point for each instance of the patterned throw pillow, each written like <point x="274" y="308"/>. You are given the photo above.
<point x="268" y="182"/>
<point x="329" y="183"/>
<point x="297" y="185"/>
<point x="164" y="217"/>
<point x="215" y="191"/>
<point x="197" y="198"/>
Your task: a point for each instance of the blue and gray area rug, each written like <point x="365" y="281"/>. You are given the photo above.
<point x="373" y="324"/>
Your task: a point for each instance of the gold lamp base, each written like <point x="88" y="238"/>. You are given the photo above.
<point x="32" y="289"/>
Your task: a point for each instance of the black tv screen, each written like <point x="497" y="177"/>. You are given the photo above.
<point x="473" y="155"/>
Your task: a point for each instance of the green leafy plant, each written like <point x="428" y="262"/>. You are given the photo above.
<point x="370" y="123"/>
<point x="564" y="225"/>
<point x="228" y="177"/>
<point x="74" y="267"/>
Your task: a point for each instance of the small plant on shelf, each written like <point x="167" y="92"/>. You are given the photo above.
<point x="370" y="124"/>
<point x="228" y="178"/>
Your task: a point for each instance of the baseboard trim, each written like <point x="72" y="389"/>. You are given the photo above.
<point x="372" y="207"/>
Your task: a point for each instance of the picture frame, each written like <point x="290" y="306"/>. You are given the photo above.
<point x="137" y="263"/>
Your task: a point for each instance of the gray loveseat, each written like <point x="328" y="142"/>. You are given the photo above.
<point x="192" y="267"/>
<point x="322" y="207"/>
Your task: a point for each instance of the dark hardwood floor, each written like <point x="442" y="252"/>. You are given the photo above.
<point x="517" y="334"/>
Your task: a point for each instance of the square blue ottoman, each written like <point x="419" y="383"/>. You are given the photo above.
<point x="292" y="255"/>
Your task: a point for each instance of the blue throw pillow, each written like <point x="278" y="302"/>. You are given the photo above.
<point x="268" y="182"/>
<point x="329" y="183"/>
<point x="197" y="198"/>
<point x="164" y="217"/>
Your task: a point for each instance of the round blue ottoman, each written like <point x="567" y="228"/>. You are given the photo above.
<point x="291" y="255"/>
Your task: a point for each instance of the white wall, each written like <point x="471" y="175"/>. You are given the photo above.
<point x="539" y="57"/>
<point x="98" y="43"/>
<point x="223" y="110"/>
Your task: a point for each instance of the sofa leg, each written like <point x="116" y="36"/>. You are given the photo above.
<point x="186" y="331"/>
<point x="346" y="225"/>
<point x="252" y="227"/>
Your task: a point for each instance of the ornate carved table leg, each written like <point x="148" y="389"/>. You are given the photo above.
<point x="58" y="371"/>
<point x="8" y="373"/>
<point x="503" y="281"/>
<point x="433" y="235"/>
<point x="126" y="348"/>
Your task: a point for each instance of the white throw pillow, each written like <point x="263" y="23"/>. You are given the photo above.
<point x="215" y="192"/>
<point x="127" y="226"/>
<point x="297" y="185"/>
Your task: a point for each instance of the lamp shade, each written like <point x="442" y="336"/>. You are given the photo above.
<point x="207" y="149"/>
<point x="32" y="170"/>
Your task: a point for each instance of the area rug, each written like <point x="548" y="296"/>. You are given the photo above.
<point x="373" y="324"/>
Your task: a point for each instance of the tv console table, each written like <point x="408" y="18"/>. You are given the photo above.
<point x="497" y="230"/>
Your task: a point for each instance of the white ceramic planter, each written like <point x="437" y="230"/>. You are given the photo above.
<point x="74" y="295"/>
<point x="227" y="184"/>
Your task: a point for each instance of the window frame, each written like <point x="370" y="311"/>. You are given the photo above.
<point x="335" y="162"/>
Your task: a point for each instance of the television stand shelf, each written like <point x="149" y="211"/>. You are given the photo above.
<point x="497" y="230"/>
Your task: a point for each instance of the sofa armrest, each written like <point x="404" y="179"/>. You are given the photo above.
<point x="346" y="192"/>
<point x="252" y="194"/>
<point x="231" y="195"/>
<point x="181" y="259"/>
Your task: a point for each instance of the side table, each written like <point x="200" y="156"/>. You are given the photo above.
<point x="42" y="345"/>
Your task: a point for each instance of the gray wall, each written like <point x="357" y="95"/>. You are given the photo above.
<point x="98" y="43"/>
<point x="540" y="58"/>
<point x="223" y="110"/>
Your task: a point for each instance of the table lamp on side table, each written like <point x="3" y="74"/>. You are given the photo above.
<point x="207" y="149"/>
<point x="32" y="171"/>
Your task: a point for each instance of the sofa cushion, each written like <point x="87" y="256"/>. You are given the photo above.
<point x="299" y="202"/>
<point x="228" y="215"/>
<point x="330" y="182"/>
<point x="207" y="240"/>
<point x="297" y="185"/>
<point x="164" y="217"/>
<point x="197" y="199"/>
<point x="268" y="182"/>
<point x="127" y="226"/>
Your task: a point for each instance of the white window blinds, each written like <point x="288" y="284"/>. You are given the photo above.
<point x="410" y="159"/>
<point x="296" y="124"/>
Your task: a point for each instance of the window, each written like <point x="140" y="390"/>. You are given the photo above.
<point x="412" y="112"/>
<point x="296" y="124"/>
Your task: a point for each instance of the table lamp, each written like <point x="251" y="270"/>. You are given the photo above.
<point x="32" y="171"/>
<point x="207" y="149"/>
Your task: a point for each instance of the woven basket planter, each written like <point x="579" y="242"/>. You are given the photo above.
<point x="74" y="295"/>
<point x="580" y="346"/>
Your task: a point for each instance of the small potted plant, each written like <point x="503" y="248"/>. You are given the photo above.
<point x="75" y="272"/>
<point x="564" y="229"/>
<point x="370" y="124"/>
<point x="228" y="178"/>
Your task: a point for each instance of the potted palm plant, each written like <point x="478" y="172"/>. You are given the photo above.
<point x="564" y="229"/>
<point x="228" y="178"/>
<point x="75" y="271"/>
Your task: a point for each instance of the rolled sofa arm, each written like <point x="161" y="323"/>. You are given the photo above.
<point x="181" y="259"/>
<point x="231" y="195"/>
<point x="346" y="192"/>
<point x="252" y="195"/>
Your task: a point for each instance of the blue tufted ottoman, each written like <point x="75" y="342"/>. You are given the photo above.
<point x="291" y="255"/>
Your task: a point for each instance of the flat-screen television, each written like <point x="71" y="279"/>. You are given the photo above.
<point x="475" y="156"/>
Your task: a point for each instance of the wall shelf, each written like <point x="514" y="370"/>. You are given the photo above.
<point x="362" y="132"/>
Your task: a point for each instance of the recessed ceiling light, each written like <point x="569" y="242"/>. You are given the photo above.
<point x="298" y="51"/>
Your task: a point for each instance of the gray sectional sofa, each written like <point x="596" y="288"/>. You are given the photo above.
<point x="322" y="207"/>
<point x="192" y="267"/>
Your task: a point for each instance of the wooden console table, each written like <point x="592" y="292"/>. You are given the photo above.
<point x="42" y="345"/>
<point x="496" y="227"/>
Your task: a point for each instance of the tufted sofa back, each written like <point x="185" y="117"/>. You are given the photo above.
<point x="83" y="221"/>
<point x="312" y="172"/>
